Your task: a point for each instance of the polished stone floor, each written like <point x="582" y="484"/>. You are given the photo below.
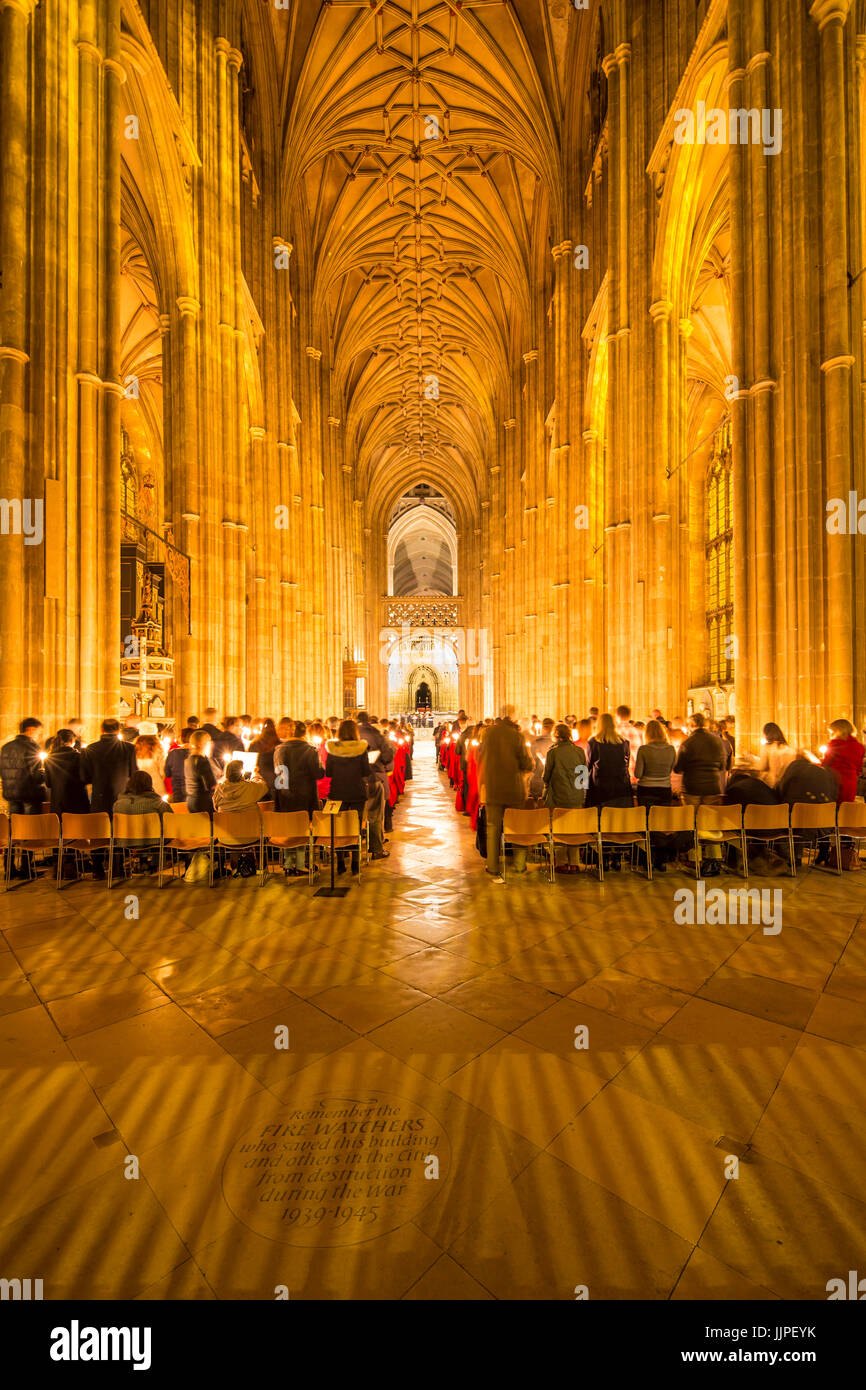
<point x="382" y="1096"/>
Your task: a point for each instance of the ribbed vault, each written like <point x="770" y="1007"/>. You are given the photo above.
<point x="421" y="142"/>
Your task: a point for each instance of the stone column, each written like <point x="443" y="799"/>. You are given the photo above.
<point x="15" y="149"/>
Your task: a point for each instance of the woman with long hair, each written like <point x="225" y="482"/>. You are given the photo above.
<point x="263" y="745"/>
<point x="150" y="759"/>
<point x="776" y="754"/>
<point x="609" y="782"/>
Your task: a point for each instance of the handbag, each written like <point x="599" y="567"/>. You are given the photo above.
<point x="850" y="858"/>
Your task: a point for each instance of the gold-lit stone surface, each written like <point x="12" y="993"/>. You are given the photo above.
<point x="454" y="1002"/>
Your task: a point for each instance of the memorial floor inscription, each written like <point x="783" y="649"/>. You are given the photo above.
<point x="338" y="1170"/>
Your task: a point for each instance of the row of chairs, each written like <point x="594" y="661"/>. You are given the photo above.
<point x="595" y="826"/>
<point x="268" y="832"/>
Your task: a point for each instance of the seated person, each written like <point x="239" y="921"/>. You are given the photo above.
<point x="233" y="792"/>
<point x="746" y="786"/>
<point x="140" y="799"/>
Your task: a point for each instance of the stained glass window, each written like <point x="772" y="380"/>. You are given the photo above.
<point x="720" y="577"/>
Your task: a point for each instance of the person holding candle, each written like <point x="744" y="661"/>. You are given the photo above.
<point x="64" y="773"/>
<point x="22" y="772"/>
<point x="229" y="741"/>
<point x="150" y="758"/>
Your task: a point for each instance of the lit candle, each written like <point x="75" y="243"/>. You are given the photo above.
<point x="165" y="796"/>
<point x="166" y="743"/>
<point x="42" y="757"/>
<point x="316" y="740"/>
<point x="245" y="736"/>
<point x="574" y="737"/>
<point x="823" y="749"/>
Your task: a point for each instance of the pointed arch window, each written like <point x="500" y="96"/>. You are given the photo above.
<point x="719" y="543"/>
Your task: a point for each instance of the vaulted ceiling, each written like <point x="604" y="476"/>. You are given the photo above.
<point x="421" y="142"/>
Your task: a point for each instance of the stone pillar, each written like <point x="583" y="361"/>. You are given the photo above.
<point x="15" y="149"/>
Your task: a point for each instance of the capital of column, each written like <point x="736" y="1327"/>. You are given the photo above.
<point x="24" y="7"/>
<point x="765" y="384"/>
<point x="660" y="309"/>
<point x="89" y="50"/>
<point x="281" y="244"/>
<point x="826" y="12"/>
<point x="590" y="436"/>
<point x="563" y="249"/>
<point x="734" y="75"/>
<point x="622" y="53"/>
<point x="188" y="306"/>
<point x="258" y="433"/>
<point x="113" y="66"/>
<point x="164" y="324"/>
<point x="833" y="363"/>
<point x="14" y="354"/>
<point x="687" y="328"/>
<point x="334" y="421"/>
<point x="509" y="424"/>
<point x="114" y="388"/>
<point x="235" y="59"/>
<point x="531" y="356"/>
<point x="758" y="60"/>
<point x="314" y="353"/>
<point x="223" y="47"/>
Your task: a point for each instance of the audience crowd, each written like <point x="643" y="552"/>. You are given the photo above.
<point x="135" y="767"/>
<point x="611" y="760"/>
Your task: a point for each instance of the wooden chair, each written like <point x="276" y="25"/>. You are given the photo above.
<point x="852" y="821"/>
<point x="348" y="832"/>
<point x="528" y="828"/>
<point x="722" y="825"/>
<point x="132" y="833"/>
<point x="576" y="826"/>
<point x="284" y="830"/>
<point x="30" y="834"/>
<point x="675" y="820"/>
<point x="185" y="835"/>
<point x="625" y="825"/>
<point x="82" y="833"/>
<point x="766" y="824"/>
<point x="4" y="842"/>
<point x="820" y="820"/>
<point x="235" y="830"/>
<point x="180" y="808"/>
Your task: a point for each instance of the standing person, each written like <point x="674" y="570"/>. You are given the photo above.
<point x="64" y="773"/>
<point x="264" y="747"/>
<point x="108" y="765"/>
<point x="701" y="760"/>
<point x="775" y="755"/>
<point x="503" y="758"/>
<point x="210" y="724"/>
<point x="201" y="772"/>
<point x="130" y="730"/>
<point x="76" y="727"/>
<point x="21" y="771"/>
<point x="149" y="758"/>
<point x="538" y="749"/>
<point x="609" y="782"/>
<point x="627" y="730"/>
<point x="348" y="768"/>
<point x="844" y="757"/>
<point x="381" y="766"/>
<point x="565" y="778"/>
<point x="653" y="766"/>
<point x="175" y="763"/>
<point x="228" y="741"/>
<point x="296" y="773"/>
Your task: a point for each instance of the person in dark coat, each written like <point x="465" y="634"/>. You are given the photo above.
<point x="107" y="766"/>
<point x="746" y="787"/>
<point x="175" y="765"/>
<point x="377" y="742"/>
<point x="64" y="772"/>
<point x="805" y="780"/>
<point x="296" y="771"/>
<point x="609" y="782"/>
<point x="228" y="741"/>
<point x="201" y="772"/>
<point x="503" y="759"/>
<point x="264" y="746"/>
<point x="348" y="767"/>
<point x="701" y="761"/>
<point x="21" y="771"/>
